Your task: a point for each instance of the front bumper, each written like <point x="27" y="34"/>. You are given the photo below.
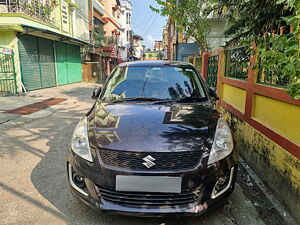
<point x="207" y="197"/>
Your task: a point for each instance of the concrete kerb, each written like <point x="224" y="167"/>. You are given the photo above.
<point x="286" y="216"/>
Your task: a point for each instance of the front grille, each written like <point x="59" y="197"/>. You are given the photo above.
<point x="141" y="199"/>
<point x="164" y="161"/>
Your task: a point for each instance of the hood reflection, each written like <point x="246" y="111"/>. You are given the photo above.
<point x="150" y="128"/>
<point x="104" y="120"/>
<point x="177" y="114"/>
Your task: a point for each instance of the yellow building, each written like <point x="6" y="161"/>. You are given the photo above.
<point x="45" y="38"/>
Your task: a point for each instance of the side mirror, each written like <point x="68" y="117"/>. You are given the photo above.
<point x="96" y="93"/>
<point x="213" y="94"/>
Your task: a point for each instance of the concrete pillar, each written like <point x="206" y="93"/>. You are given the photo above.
<point x="204" y="71"/>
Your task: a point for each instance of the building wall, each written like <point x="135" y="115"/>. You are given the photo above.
<point x="126" y="8"/>
<point x="81" y="21"/>
<point x="66" y="19"/>
<point x="110" y="26"/>
<point x="216" y="37"/>
<point x="151" y="55"/>
<point x="138" y="50"/>
<point x="185" y="50"/>
<point x="73" y="25"/>
<point x="165" y="42"/>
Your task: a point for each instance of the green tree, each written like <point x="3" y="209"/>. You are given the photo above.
<point x="189" y="17"/>
<point x="249" y="19"/>
<point x="279" y="54"/>
<point x="274" y="27"/>
<point x="160" y="56"/>
<point x="98" y="35"/>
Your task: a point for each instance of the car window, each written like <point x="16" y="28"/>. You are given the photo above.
<point x="166" y="82"/>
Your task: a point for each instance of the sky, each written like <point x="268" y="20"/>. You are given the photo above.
<point x="146" y="23"/>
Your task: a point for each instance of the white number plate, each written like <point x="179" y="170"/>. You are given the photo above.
<point x="160" y="184"/>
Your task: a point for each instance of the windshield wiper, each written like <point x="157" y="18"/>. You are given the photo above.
<point x="160" y="100"/>
<point x="190" y="99"/>
<point x="145" y="99"/>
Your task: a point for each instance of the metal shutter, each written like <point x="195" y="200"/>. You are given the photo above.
<point x="61" y="63"/>
<point x="37" y="62"/>
<point x="75" y="68"/>
<point x="47" y="65"/>
<point x="29" y="59"/>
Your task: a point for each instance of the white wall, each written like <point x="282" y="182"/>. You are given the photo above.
<point x="126" y="7"/>
<point x="216" y="37"/>
<point x="138" y="51"/>
<point x="80" y="21"/>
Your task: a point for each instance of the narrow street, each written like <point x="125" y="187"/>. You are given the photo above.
<point x="196" y="96"/>
<point x="33" y="177"/>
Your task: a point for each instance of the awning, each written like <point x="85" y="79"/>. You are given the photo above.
<point x="52" y="35"/>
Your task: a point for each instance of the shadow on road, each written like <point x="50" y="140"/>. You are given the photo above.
<point x="50" y="177"/>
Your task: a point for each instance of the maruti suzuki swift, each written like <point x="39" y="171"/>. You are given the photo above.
<point x="153" y="144"/>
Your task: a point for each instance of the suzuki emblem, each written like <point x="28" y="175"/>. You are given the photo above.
<point x="149" y="161"/>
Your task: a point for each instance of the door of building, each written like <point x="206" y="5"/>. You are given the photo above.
<point x="68" y="63"/>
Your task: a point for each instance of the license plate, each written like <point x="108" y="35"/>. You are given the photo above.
<point x="160" y="184"/>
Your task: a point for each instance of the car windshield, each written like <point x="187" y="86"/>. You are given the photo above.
<point x="153" y="83"/>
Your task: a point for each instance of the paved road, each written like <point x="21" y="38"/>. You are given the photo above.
<point x="33" y="187"/>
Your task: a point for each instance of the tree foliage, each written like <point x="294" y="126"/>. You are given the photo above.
<point x="278" y="53"/>
<point x="249" y="18"/>
<point x="98" y="35"/>
<point x="190" y="18"/>
<point x="160" y="56"/>
<point x="274" y="27"/>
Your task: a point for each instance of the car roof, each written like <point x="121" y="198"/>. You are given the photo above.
<point x="155" y="63"/>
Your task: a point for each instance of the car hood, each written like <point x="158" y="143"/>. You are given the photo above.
<point x="148" y="128"/>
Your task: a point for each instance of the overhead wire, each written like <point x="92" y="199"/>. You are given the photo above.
<point x="151" y="26"/>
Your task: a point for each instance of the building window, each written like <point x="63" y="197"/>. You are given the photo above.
<point x="128" y="18"/>
<point x="128" y="35"/>
<point x="97" y="22"/>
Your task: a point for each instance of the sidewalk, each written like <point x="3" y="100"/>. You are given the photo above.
<point x="69" y="93"/>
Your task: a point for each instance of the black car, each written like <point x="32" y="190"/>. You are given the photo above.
<point x="153" y="144"/>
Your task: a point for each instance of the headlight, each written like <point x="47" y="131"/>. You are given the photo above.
<point x="80" y="142"/>
<point x="223" y="143"/>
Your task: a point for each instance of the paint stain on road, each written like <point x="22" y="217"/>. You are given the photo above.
<point x="35" y="107"/>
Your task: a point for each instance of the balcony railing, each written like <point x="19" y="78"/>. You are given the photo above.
<point x="109" y="41"/>
<point x="39" y="9"/>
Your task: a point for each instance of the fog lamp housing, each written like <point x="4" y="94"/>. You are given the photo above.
<point x="222" y="185"/>
<point x="77" y="181"/>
